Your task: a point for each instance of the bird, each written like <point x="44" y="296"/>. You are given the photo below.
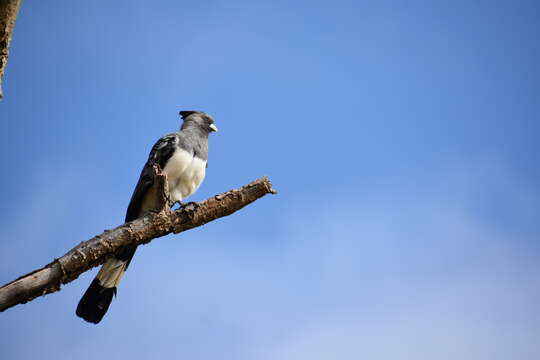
<point x="183" y="157"/>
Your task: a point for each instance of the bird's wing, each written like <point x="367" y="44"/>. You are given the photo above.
<point x="161" y="152"/>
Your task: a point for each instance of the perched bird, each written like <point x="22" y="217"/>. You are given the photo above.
<point x="183" y="156"/>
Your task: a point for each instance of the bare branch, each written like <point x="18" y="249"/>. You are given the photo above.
<point x="152" y="225"/>
<point x="8" y="14"/>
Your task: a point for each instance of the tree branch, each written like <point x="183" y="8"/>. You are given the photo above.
<point x="152" y="225"/>
<point x="8" y="14"/>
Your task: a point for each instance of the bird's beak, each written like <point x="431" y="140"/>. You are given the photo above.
<point x="213" y="127"/>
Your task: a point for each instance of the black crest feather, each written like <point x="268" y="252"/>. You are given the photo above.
<point x="185" y="114"/>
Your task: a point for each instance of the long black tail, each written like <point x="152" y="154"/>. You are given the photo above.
<point x="97" y="298"/>
<point x="95" y="302"/>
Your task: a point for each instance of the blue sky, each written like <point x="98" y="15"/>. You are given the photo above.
<point x="402" y="137"/>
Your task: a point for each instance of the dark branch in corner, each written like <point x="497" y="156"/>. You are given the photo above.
<point x="8" y="14"/>
<point x="153" y="224"/>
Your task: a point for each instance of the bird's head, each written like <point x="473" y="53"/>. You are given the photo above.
<point x="198" y="119"/>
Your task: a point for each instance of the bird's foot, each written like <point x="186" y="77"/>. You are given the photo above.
<point x="170" y="202"/>
<point x="187" y="206"/>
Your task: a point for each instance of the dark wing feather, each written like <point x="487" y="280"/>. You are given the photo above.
<point x="161" y="152"/>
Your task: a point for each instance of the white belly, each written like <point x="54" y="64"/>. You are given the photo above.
<point x="185" y="174"/>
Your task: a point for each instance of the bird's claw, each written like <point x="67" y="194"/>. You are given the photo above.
<point x="185" y="205"/>
<point x="170" y="202"/>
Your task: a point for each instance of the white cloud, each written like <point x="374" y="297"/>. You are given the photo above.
<point x="435" y="278"/>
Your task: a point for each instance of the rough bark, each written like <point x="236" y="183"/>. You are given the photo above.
<point x="8" y="14"/>
<point x="152" y="225"/>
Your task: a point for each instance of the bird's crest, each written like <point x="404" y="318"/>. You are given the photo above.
<point x="185" y="114"/>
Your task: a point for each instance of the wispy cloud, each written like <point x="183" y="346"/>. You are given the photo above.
<point x="439" y="277"/>
<point x="433" y="279"/>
